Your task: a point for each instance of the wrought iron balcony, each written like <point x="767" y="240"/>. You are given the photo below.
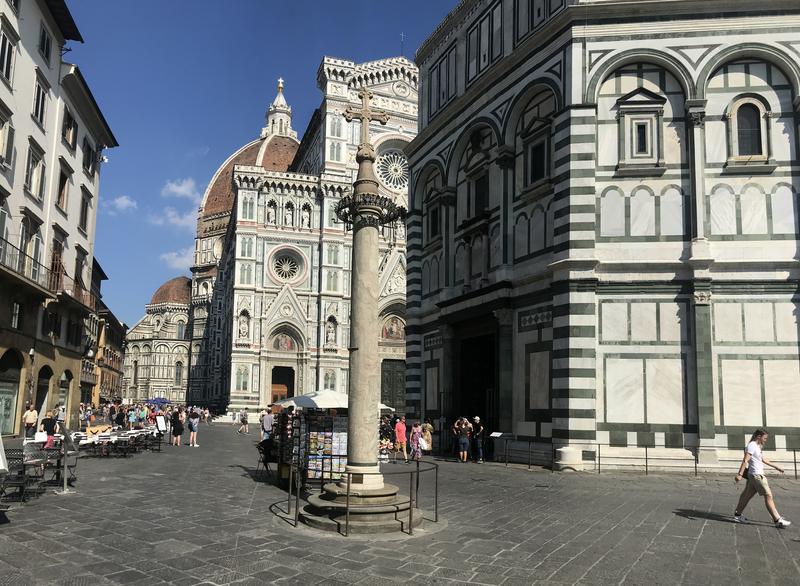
<point x="64" y="285"/>
<point x="13" y="260"/>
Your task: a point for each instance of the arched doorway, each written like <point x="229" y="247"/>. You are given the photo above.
<point x="10" y="376"/>
<point x="42" y="387"/>
<point x="64" y="388"/>
<point x="282" y="383"/>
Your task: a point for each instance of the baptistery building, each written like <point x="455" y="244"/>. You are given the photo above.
<point x="603" y="224"/>
<point x="270" y="290"/>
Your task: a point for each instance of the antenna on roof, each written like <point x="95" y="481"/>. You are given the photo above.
<point x="402" y="44"/>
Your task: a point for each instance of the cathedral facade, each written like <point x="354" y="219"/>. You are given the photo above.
<point x="603" y="226"/>
<point x="270" y="291"/>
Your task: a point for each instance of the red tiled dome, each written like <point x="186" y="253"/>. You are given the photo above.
<point x="277" y="155"/>
<point x="177" y="290"/>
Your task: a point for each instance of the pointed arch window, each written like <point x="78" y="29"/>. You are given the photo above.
<point x="181" y="330"/>
<point x="179" y="373"/>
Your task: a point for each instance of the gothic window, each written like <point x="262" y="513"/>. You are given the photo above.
<point x="135" y="372"/>
<point x="246" y="274"/>
<point x="248" y="208"/>
<point x="178" y="373"/>
<point x="242" y="378"/>
<point x="332" y="282"/>
<point x="336" y="151"/>
<point x="330" y="380"/>
<point x="333" y="254"/>
<point x="336" y="126"/>
<point x="181" y="330"/>
<point x="246" y="248"/>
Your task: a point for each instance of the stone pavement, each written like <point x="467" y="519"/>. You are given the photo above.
<point x="191" y="516"/>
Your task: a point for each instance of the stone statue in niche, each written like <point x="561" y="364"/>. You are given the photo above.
<point x="271" y="214"/>
<point x="288" y="216"/>
<point x="305" y="218"/>
<point x="400" y="230"/>
<point x="244" y="325"/>
<point x="394" y="329"/>
<point x="330" y="333"/>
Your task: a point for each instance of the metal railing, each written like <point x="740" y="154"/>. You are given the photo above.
<point x="76" y="290"/>
<point x="26" y="266"/>
<point x="636" y="457"/>
<point x="415" y="474"/>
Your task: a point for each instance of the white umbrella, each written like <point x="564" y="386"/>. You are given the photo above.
<point x="320" y="400"/>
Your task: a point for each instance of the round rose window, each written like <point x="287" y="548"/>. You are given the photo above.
<point x="286" y="267"/>
<point x="392" y="169"/>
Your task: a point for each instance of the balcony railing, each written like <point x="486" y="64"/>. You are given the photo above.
<point x="23" y="265"/>
<point x="73" y="288"/>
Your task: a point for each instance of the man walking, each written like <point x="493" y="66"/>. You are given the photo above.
<point x="400" y="437"/>
<point x="243" y="427"/>
<point x="267" y="421"/>
<point x="477" y="439"/>
<point x="753" y="461"/>
<point x="30" y="419"/>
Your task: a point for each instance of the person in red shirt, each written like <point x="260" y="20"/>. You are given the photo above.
<point x="400" y="437"/>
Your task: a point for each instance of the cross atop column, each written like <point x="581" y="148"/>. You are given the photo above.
<point x="365" y="115"/>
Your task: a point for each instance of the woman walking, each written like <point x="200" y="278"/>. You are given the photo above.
<point x="416" y="435"/>
<point x="49" y="425"/>
<point x="753" y="461"/>
<point x="427" y="435"/>
<point x="194" y="424"/>
<point x="177" y="427"/>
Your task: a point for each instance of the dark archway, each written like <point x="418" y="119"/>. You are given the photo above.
<point x="42" y="387"/>
<point x="393" y="385"/>
<point x="10" y="375"/>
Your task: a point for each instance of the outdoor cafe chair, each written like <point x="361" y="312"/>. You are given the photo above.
<point x="16" y="478"/>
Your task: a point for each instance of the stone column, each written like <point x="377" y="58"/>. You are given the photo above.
<point x="448" y="375"/>
<point x="505" y="369"/>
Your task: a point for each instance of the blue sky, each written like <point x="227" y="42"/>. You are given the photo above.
<point x="184" y="83"/>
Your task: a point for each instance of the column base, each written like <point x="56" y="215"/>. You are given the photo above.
<point x="363" y="478"/>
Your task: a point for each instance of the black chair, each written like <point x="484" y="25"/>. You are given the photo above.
<point x="16" y="479"/>
<point x="263" y="459"/>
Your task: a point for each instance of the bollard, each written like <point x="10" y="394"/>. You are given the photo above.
<point x="697" y="457"/>
<point x="645" y="461"/>
<point x="436" y="495"/>
<point x="347" y="508"/>
<point x="529" y="454"/>
<point x="506" y="450"/>
<point x="289" y="496"/>
<point x="552" y="458"/>
<point x="794" y="453"/>
<point x="411" y="505"/>
<point x="598" y="458"/>
<point x="297" y="500"/>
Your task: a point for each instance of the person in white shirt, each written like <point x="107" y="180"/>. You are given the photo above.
<point x="754" y="461"/>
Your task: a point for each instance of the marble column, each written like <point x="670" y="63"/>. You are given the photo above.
<point x="505" y="369"/>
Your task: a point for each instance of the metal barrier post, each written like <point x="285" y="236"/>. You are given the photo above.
<point x="347" y="508"/>
<point x="411" y="505"/>
<point x="529" y="454"/>
<point x="794" y="453"/>
<point x="645" y="461"/>
<point x="506" y="450"/>
<point x="598" y="458"/>
<point x="552" y="458"/>
<point x="696" y="458"/>
<point x="297" y="501"/>
<point x="289" y="496"/>
<point x="436" y="495"/>
<point x="416" y="487"/>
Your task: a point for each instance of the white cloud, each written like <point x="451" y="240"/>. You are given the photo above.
<point x="183" y="188"/>
<point x="198" y="152"/>
<point x="119" y="205"/>
<point x="169" y="216"/>
<point x="179" y="259"/>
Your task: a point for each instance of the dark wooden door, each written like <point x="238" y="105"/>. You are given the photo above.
<point x="393" y="384"/>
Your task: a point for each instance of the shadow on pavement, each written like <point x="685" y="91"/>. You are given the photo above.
<point x="692" y="514"/>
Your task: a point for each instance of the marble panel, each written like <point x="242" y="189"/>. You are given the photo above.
<point x="607" y="138"/>
<point x="784" y="213"/>
<point x="521" y="236"/>
<point x="741" y="392"/>
<point x="432" y="387"/>
<point x="671" y="213"/>
<point x="754" y="211"/>
<point x="723" y="211"/>
<point x="643" y="213"/>
<point x="615" y="321"/>
<point x="539" y="380"/>
<point x="758" y="324"/>
<point x="787" y="315"/>
<point x="643" y="322"/>
<point x="624" y="390"/>
<point x="736" y="76"/>
<point x="728" y="322"/>
<point x="664" y="390"/>
<point x="537" y="230"/>
<point x="612" y="214"/>
<point x="782" y="392"/>
<point x="671" y="318"/>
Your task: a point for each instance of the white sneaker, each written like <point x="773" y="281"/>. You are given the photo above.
<point x="739" y="518"/>
<point x="782" y="523"/>
<point x="197" y="445"/>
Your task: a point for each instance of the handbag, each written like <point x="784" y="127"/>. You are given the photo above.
<point x="423" y="445"/>
<point x="40" y="436"/>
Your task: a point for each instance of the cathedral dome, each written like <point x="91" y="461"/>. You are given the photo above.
<point x="177" y="290"/>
